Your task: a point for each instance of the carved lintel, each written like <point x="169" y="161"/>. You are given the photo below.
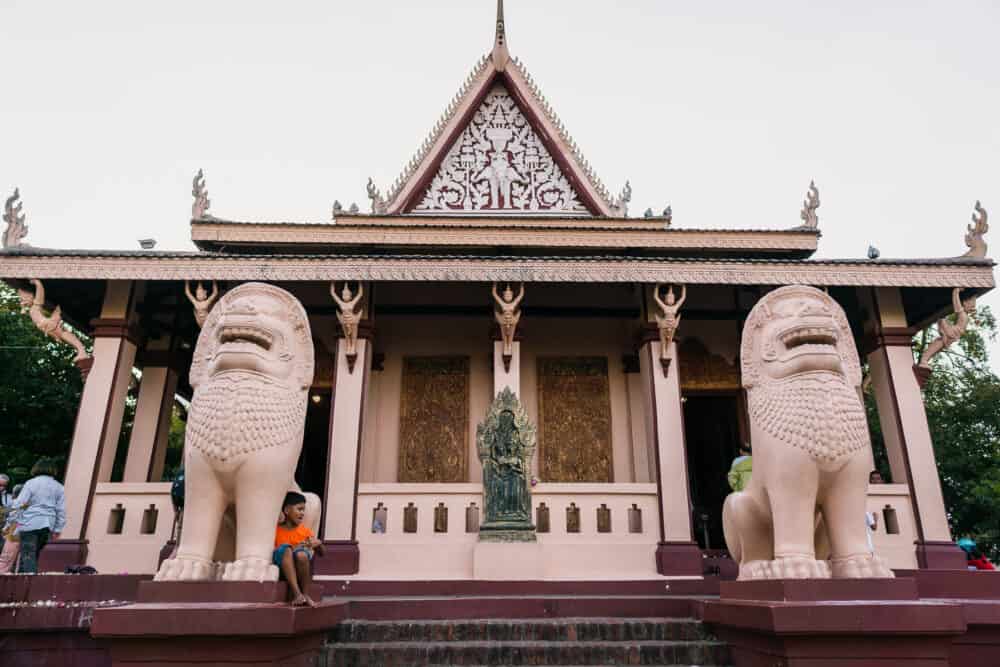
<point x="13" y="235"/>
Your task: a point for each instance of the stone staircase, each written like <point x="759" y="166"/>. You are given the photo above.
<point x="561" y="641"/>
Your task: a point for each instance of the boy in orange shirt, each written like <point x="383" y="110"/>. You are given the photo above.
<point x="294" y="545"/>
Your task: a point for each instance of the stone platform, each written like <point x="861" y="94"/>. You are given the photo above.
<point x="926" y="618"/>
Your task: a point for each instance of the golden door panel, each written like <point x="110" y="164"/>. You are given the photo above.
<point x="434" y="420"/>
<point x="574" y="419"/>
<point x="702" y="369"/>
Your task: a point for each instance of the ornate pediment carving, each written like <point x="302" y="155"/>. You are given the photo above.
<point x="500" y="165"/>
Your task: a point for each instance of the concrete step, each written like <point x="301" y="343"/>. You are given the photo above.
<point x="564" y="629"/>
<point x="399" y="654"/>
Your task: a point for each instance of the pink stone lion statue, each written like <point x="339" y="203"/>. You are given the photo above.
<point x="810" y="445"/>
<point x="251" y="372"/>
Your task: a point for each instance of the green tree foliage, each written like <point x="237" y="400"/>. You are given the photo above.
<point x="39" y="391"/>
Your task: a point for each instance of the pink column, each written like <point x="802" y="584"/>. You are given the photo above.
<point x="98" y="423"/>
<point x="906" y="432"/>
<point x="677" y="553"/>
<point x="504" y="377"/>
<point x="340" y="504"/>
<point x="147" y="447"/>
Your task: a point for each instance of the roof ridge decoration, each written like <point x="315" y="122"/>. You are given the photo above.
<point x="810" y="220"/>
<point x="498" y="68"/>
<point x="16" y="231"/>
<point x="199" y="208"/>
<point x="976" y="232"/>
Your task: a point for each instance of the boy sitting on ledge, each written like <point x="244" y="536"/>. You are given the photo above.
<point x="294" y="545"/>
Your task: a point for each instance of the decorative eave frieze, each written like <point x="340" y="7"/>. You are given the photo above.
<point x="205" y="266"/>
<point x="520" y="233"/>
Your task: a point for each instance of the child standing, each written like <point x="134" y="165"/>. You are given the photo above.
<point x="294" y="546"/>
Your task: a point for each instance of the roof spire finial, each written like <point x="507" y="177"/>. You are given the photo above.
<point x="500" y="53"/>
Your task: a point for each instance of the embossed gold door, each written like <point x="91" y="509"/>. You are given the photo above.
<point x="434" y="420"/>
<point x="574" y="419"/>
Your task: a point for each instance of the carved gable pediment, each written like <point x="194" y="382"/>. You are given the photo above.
<point x="499" y="165"/>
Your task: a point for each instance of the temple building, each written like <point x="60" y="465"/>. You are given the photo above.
<point x="498" y="259"/>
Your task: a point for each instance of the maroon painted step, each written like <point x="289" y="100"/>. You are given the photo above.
<point x="580" y="641"/>
<point x="469" y="587"/>
<point x="549" y="606"/>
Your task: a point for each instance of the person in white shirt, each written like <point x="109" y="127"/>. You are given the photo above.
<point x="42" y="507"/>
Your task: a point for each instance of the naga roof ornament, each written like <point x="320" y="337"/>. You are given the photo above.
<point x="379" y="206"/>
<point x="810" y="220"/>
<point x="199" y="208"/>
<point x="976" y="232"/>
<point x="499" y="148"/>
<point x="13" y="235"/>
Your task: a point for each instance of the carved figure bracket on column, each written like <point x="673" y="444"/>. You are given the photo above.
<point x="201" y="300"/>
<point x="51" y="325"/>
<point x="507" y="315"/>
<point x="667" y="321"/>
<point x="948" y="332"/>
<point x="976" y="233"/>
<point x="505" y="441"/>
<point x="16" y="231"/>
<point x="349" y="319"/>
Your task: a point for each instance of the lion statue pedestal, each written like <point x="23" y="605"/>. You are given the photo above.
<point x="803" y="513"/>
<point x="251" y="373"/>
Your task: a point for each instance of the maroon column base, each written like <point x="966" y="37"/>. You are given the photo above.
<point x="940" y="556"/>
<point x="58" y="555"/>
<point x="679" y="559"/>
<point x="340" y="557"/>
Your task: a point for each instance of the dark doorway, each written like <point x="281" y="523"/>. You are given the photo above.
<point x="712" y="436"/>
<point x="311" y="470"/>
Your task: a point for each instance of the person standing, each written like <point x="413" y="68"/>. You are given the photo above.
<point x="5" y="499"/>
<point x="42" y="504"/>
<point x="11" y="542"/>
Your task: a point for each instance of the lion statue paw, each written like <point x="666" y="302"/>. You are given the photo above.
<point x="250" y="569"/>
<point x="861" y="566"/>
<point x="186" y="568"/>
<point x="790" y="567"/>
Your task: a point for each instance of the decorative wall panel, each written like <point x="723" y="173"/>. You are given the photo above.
<point x="434" y="420"/>
<point x="574" y="419"/>
<point x="702" y="369"/>
<point x="500" y="165"/>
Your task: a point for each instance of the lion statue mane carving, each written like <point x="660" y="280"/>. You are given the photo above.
<point x="251" y="373"/>
<point x="803" y="513"/>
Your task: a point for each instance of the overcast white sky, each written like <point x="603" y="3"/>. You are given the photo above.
<point x="724" y="111"/>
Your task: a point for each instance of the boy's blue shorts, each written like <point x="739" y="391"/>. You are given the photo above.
<point x="279" y="553"/>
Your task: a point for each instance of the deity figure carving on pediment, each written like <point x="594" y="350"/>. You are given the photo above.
<point x="52" y="324"/>
<point x="499" y="164"/>
<point x="201" y="300"/>
<point x="506" y="443"/>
